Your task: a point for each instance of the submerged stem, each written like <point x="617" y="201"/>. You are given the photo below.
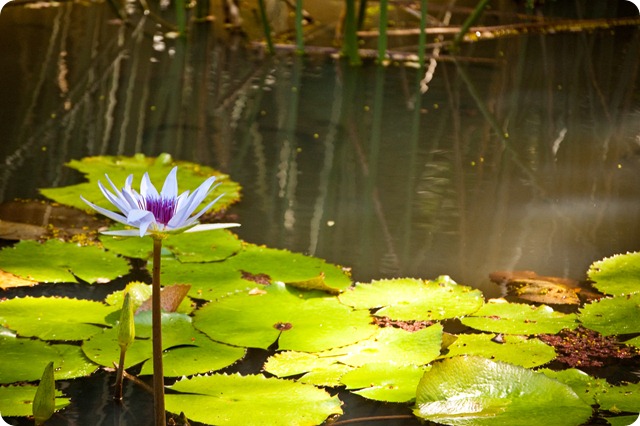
<point x="156" y="316"/>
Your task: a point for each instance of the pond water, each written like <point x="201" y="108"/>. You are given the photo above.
<point x="522" y="154"/>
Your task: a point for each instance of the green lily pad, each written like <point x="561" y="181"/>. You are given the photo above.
<point x="624" y="398"/>
<point x="478" y="391"/>
<point x="54" y="318"/>
<point x="190" y="176"/>
<point x="498" y="316"/>
<point x="251" y="400"/>
<point x="388" y="346"/>
<point x="386" y="381"/>
<point x="617" y="275"/>
<point x="186" y="350"/>
<point x="55" y="261"/>
<point x="633" y="342"/>
<point x="209" y="246"/>
<point x="517" y="350"/>
<point x="74" y="362"/>
<point x="285" y="315"/>
<point x="409" y="299"/>
<point x="23" y="360"/>
<point x="585" y="386"/>
<point x="287" y="267"/>
<point x="17" y="401"/>
<point x="209" y="281"/>
<point x="611" y="316"/>
<point x="623" y="420"/>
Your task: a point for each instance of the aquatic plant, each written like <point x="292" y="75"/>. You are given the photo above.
<point x="157" y="214"/>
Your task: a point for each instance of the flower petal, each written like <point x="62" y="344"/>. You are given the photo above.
<point x="123" y="233"/>
<point x="181" y="216"/>
<point x="116" y="200"/>
<point x="170" y="187"/>
<point x="108" y="213"/>
<point x="147" y="189"/>
<point x="211" y="227"/>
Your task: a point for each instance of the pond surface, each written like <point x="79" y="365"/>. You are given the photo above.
<point x="522" y="154"/>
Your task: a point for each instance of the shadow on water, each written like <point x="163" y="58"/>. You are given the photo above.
<point x="522" y="154"/>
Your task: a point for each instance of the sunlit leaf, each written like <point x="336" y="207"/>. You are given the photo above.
<point x="617" y="275"/>
<point x="633" y="420"/>
<point x="498" y="316"/>
<point x="23" y="360"/>
<point x="517" y="350"/>
<point x="585" y="386"/>
<point x="18" y="400"/>
<point x="287" y="315"/>
<point x="611" y="316"/>
<point x="385" y="381"/>
<point x="413" y="299"/>
<point x="478" y="391"/>
<point x="251" y="400"/>
<point x="54" y="318"/>
<point x="288" y="267"/>
<point x="57" y="261"/>
<point x="190" y="176"/>
<point x="186" y="350"/>
<point x="624" y="398"/>
<point x="8" y="280"/>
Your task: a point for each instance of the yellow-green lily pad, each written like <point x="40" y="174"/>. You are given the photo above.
<point x="386" y="381"/>
<point x="517" y="350"/>
<point x="477" y="391"/>
<point x="309" y="321"/>
<point x="56" y="261"/>
<point x="499" y="316"/>
<point x="54" y="318"/>
<point x="409" y="299"/>
<point x="617" y="275"/>
<point x="611" y="316"/>
<point x="251" y="400"/>
<point x="17" y="401"/>
<point x="190" y="176"/>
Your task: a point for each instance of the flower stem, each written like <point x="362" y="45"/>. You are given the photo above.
<point x="156" y="316"/>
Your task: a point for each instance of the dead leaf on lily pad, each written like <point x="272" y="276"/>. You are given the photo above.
<point x="315" y="283"/>
<point x="170" y="298"/>
<point x="8" y="280"/>
<point x="527" y="285"/>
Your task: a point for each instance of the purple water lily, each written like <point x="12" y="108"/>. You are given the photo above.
<point x="156" y="213"/>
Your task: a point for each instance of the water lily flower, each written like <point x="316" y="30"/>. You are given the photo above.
<point x="157" y="214"/>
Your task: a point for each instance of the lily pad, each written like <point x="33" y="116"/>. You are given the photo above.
<point x="17" y="401"/>
<point x="190" y="176"/>
<point x="186" y="351"/>
<point x="499" y="316"/>
<point x="409" y="299"/>
<point x="288" y="267"/>
<point x="617" y="275"/>
<point x="388" y="346"/>
<point x="585" y="386"/>
<point x="209" y="246"/>
<point x="611" y="316"/>
<point x="23" y="360"/>
<point x="284" y="315"/>
<point x="478" y="391"/>
<point x="624" y="398"/>
<point x="251" y="400"/>
<point x="517" y="350"/>
<point x="56" y="261"/>
<point x="54" y="318"/>
<point x="386" y="381"/>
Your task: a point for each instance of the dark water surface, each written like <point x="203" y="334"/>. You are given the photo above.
<point x="522" y="154"/>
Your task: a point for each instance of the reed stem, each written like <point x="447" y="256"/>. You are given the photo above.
<point x="266" y="27"/>
<point x="299" y="29"/>
<point x="382" y="28"/>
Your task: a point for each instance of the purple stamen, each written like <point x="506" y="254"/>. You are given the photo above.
<point x="163" y="209"/>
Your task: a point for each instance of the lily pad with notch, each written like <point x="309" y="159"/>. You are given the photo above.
<point x="55" y="261"/>
<point x="409" y="299"/>
<point x="500" y="316"/>
<point x="243" y="319"/>
<point x="221" y="400"/>
<point x="617" y="275"/>
<point x="610" y="316"/>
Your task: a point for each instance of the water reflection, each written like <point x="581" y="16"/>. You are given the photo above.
<point x="518" y="158"/>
